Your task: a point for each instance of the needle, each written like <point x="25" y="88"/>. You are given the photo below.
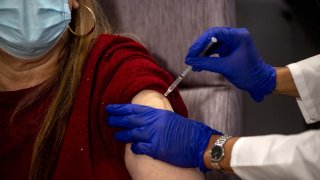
<point x="189" y="68"/>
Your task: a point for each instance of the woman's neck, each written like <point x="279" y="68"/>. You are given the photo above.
<point x="17" y="74"/>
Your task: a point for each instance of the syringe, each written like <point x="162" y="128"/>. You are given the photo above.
<point x="188" y="69"/>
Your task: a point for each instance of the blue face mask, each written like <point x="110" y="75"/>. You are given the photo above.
<point x="31" y="28"/>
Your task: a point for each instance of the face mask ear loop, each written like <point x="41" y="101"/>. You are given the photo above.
<point x="91" y="30"/>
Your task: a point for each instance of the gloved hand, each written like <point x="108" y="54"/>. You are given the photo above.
<point x="239" y="61"/>
<point x="161" y="134"/>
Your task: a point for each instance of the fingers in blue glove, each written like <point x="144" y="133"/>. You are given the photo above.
<point x="128" y="115"/>
<point x="163" y="135"/>
<point x="133" y="135"/>
<point x="223" y="36"/>
<point x="205" y="63"/>
<point x="196" y="69"/>
<point x="121" y="121"/>
<point x="143" y="148"/>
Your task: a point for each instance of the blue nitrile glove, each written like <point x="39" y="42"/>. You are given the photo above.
<point x="239" y="61"/>
<point x="161" y="134"/>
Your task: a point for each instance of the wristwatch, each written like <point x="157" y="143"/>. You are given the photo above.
<point x="217" y="151"/>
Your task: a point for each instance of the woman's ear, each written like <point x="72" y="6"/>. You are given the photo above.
<point x="73" y="4"/>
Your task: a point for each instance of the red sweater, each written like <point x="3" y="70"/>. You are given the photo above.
<point x="116" y="70"/>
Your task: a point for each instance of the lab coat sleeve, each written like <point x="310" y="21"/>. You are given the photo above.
<point x="292" y="157"/>
<point x="306" y="75"/>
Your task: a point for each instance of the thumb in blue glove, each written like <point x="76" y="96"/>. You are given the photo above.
<point x="239" y="61"/>
<point x="161" y="134"/>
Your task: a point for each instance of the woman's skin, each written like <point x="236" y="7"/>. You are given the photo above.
<point x="17" y="74"/>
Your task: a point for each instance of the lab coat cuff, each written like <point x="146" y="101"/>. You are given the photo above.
<point x="236" y="156"/>
<point x="305" y="101"/>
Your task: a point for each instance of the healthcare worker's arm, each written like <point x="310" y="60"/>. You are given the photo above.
<point x="279" y="156"/>
<point x="161" y="134"/>
<point x="238" y="61"/>
<point x="284" y="83"/>
<point x="243" y="66"/>
<point x="293" y="157"/>
<point x="144" y="167"/>
<point x="172" y="138"/>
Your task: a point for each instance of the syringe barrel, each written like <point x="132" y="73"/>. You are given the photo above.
<point x="186" y="71"/>
<point x="189" y="68"/>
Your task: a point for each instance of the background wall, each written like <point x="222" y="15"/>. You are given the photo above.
<point x="284" y="32"/>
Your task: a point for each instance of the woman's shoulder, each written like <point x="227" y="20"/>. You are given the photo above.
<point x="116" y="41"/>
<point x="124" y="67"/>
<point x="121" y="37"/>
<point x="116" y="49"/>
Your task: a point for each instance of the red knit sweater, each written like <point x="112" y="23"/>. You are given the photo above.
<point x="117" y="68"/>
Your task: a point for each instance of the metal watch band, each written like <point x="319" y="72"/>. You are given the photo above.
<point x="220" y="142"/>
<point x="222" y="139"/>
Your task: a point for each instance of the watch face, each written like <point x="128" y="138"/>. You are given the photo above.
<point x="216" y="153"/>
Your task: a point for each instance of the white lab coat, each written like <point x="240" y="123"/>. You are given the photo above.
<point x="291" y="157"/>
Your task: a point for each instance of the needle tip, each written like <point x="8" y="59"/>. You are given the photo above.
<point x="167" y="93"/>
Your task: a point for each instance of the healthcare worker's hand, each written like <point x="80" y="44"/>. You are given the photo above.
<point x="239" y="61"/>
<point x="161" y="134"/>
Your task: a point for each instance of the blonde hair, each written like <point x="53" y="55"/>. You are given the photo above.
<point x="66" y="82"/>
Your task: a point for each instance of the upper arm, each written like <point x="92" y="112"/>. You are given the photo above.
<point x="144" y="167"/>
